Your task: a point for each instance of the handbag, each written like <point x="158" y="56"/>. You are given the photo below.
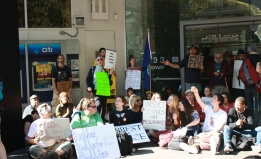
<point x="175" y="141"/>
<point x="164" y="137"/>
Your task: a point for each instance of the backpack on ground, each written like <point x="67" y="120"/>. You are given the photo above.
<point x="125" y="143"/>
<point x="248" y="74"/>
<point x="242" y="143"/>
<point x="175" y="141"/>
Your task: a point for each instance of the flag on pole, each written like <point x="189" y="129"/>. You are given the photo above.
<point x="146" y="63"/>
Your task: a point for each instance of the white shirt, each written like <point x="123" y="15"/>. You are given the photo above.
<point x="213" y="120"/>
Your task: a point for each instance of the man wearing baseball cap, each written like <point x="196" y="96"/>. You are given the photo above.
<point x="191" y="98"/>
<point x="34" y="103"/>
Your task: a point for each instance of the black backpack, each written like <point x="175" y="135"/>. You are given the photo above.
<point x="125" y="143"/>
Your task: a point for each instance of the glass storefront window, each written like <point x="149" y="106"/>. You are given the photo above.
<point x="212" y="9"/>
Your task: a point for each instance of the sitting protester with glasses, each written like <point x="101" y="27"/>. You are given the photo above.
<point x="41" y="144"/>
<point x="88" y="117"/>
<point x="120" y="116"/>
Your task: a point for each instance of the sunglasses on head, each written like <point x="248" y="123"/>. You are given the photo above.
<point x="91" y="106"/>
<point x="99" y="59"/>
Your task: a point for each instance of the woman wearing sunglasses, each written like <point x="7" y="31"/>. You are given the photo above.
<point x="135" y="109"/>
<point x="92" y="87"/>
<point x="87" y="116"/>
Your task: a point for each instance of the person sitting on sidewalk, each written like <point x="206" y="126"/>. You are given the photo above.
<point x="34" y="103"/>
<point x="88" y="117"/>
<point x="40" y="146"/>
<point x="64" y="109"/>
<point x="215" y="121"/>
<point x="239" y="123"/>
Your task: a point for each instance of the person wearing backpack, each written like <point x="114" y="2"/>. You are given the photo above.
<point x="91" y="81"/>
<point x="250" y="77"/>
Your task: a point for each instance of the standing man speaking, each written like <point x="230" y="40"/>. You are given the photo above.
<point x="60" y="73"/>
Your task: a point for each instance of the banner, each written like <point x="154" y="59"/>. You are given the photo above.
<point x="236" y="82"/>
<point x="133" y="79"/>
<point x="136" y="131"/>
<point x="103" y="84"/>
<point x="110" y="59"/>
<point x="96" y="142"/>
<point x="195" y="61"/>
<point x="146" y="63"/>
<point x="154" y="114"/>
<point x="57" y="128"/>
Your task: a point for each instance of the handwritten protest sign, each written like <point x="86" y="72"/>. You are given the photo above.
<point x="96" y="142"/>
<point x="64" y="86"/>
<point x="136" y="131"/>
<point x="195" y="61"/>
<point x="154" y="114"/>
<point x="58" y="128"/>
<point x="103" y="84"/>
<point x="206" y="100"/>
<point x="110" y="59"/>
<point x="133" y="79"/>
<point x="237" y="83"/>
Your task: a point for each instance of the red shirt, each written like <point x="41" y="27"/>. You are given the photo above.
<point x="226" y="109"/>
<point x="199" y="110"/>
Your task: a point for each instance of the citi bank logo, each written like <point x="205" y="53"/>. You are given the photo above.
<point x="47" y="49"/>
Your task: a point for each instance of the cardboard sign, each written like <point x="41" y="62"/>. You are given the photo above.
<point x="195" y="61"/>
<point x="96" y="142"/>
<point x="237" y="83"/>
<point x="103" y="84"/>
<point x="136" y="131"/>
<point x="57" y="128"/>
<point x="64" y="86"/>
<point x="206" y="100"/>
<point x="154" y="114"/>
<point x="110" y="59"/>
<point x="133" y="79"/>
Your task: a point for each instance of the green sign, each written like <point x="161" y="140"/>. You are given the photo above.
<point x="103" y="84"/>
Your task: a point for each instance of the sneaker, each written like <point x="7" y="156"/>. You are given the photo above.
<point x="190" y="140"/>
<point x="256" y="148"/>
<point x="228" y="148"/>
<point x="188" y="148"/>
<point x="213" y="146"/>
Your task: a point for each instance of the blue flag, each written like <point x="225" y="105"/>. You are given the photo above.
<point x="146" y="64"/>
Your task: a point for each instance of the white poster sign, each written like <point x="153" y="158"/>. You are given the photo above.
<point x="57" y="128"/>
<point x="154" y="114"/>
<point x="110" y="59"/>
<point x="237" y="83"/>
<point x="133" y="79"/>
<point x="206" y="100"/>
<point x="136" y="131"/>
<point x="96" y="142"/>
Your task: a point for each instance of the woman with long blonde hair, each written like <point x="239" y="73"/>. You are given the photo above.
<point x="135" y="109"/>
<point x="173" y="115"/>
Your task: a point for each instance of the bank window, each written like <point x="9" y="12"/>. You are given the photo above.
<point x="45" y="14"/>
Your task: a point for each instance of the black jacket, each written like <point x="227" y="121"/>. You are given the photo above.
<point x="89" y="78"/>
<point x="233" y="117"/>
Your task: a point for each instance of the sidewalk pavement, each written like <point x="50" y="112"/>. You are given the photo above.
<point x="153" y="151"/>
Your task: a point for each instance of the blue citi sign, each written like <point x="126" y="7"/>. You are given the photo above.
<point x="41" y="49"/>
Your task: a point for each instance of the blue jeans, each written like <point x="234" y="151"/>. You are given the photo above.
<point x="189" y="85"/>
<point x="258" y="135"/>
<point x="252" y="102"/>
<point x="228" y="132"/>
<point x="193" y="131"/>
